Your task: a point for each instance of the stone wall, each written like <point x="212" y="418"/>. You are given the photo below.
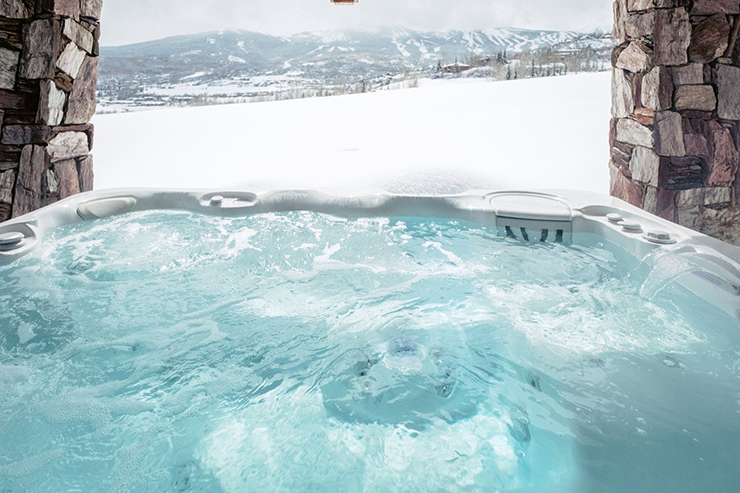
<point x="675" y="132"/>
<point x="48" y="77"/>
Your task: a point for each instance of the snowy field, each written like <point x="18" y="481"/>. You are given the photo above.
<point x="443" y="137"/>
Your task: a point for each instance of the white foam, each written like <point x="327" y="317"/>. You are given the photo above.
<point x="559" y="318"/>
<point x="30" y="464"/>
<point x="287" y="443"/>
<point x="25" y="332"/>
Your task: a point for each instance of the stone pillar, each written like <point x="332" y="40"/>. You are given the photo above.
<point x="48" y="78"/>
<point x="675" y="131"/>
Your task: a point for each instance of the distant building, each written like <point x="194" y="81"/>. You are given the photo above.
<point x="455" y="68"/>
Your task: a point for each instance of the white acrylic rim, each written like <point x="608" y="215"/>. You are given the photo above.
<point x="588" y="214"/>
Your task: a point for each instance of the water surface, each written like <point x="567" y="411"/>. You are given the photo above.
<point x="167" y="351"/>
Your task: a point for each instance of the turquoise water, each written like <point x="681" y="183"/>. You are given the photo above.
<point x="165" y="351"/>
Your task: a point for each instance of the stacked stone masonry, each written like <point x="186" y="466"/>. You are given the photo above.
<point x="675" y="130"/>
<point x="48" y="77"/>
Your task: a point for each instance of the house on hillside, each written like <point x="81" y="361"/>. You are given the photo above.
<point x="455" y="68"/>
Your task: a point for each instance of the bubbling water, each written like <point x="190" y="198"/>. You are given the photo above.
<point x="167" y="351"/>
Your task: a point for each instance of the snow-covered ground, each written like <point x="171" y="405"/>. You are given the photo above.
<point x="444" y="137"/>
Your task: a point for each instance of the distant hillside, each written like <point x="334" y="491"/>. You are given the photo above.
<point x="259" y="63"/>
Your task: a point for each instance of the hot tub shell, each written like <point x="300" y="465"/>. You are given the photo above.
<point x="531" y="216"/>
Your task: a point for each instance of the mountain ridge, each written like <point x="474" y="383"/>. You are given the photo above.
<point x="314" y="59"/>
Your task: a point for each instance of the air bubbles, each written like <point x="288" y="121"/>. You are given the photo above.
<point x="533" y="379"/>
<point x="519" y="427"/>
<point x="671" y="361"/>
<point x="444" y="389"/>
<point x="404" y="347"/>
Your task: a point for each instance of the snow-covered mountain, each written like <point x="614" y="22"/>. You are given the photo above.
<point x="241" y="58"/>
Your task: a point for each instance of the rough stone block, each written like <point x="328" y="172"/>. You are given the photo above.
<point x="696" y="145"/>
<point x="700" y="98"/>
<point x="96" y="45"/>
<point x="41" y="45"/>
<point x="728" y="87"/>
<point x="631" y="132"/>
<point x="64" y="82"/>
<point x="25" y="134"/>
<point x="85" y="171"/>
<point x="669" y="4"/>
<point x="69" y="8"/>
<point x="638" y="5"/>
<point x="11" y="32"/>
<point x="623" y="188"/>
<point x="67" y="178"/>
<point x="91" y="8"/>
<point x="15" y="101"/>
<point x="34" y="163"/>
<point x="622" y="102"/>
<point x="669" y="134"/>
<point x="86" y="128"/>
<point x="735" y="52"/>
<point x="687" y="199"/>
<point x="620" y="14"/>
<point x="621" y="158"/>
<point x="719" y="223"/>
<point x="15" y="9"/>
<point x="660" y="202"/>
<point x="644" y="116"/>
<point x="67" y="145"/>
<point x="710" y="7"/>
<point x="709" y="39"/>
<point x="613" y="131"/>
<point x="82" y="99"/>
<point x="657" y="89"/>
<point x="20" y="118"/>
<point x="51" y="104"/>
<point x="694" y="126"/>
<point x="71" y="60"/>
<point x="688" y="217"/>
<point x="8" y="68"/>
<point x="696" y="114"/>
<point x="636" y="84"/>
<point x="672" y="36"/>
<point x="725" y="159"/>
<point x="7" y="183"/>
<point x="80" y="36"/>
<point x="645" y="166"/>
<point x="683" y="173"/>
<point x="49" y="182"/>
<point x="636" y="57"/>
<point x="639" y="25"/>
<point x="622" y="154"/>
<point x="10" y="156"/>
<point x="691" y="74"/>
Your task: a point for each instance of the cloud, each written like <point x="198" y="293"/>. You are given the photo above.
<point x="127" y="21"/>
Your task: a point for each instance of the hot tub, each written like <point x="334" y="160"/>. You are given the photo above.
<point x="299" y="341"/>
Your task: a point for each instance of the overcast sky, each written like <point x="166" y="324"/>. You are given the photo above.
<point x="130" y="21"/>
